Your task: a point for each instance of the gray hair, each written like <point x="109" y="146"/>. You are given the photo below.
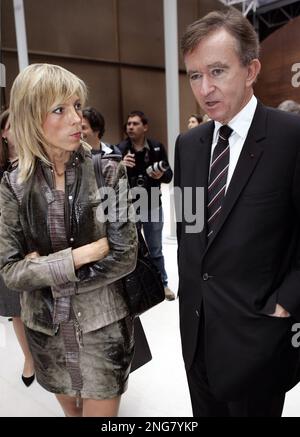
<point x="234" y="23"/>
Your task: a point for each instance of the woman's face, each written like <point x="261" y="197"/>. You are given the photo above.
<point x="63" y="125"/>
<point x="7" y="134"/>
<point x="193" y="122"/>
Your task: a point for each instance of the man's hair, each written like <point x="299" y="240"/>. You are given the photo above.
<point x="289" y="106"/>
<point x="234" y="23"/>
<point x="95" y="119"/>
<point x="4" y="152"/>
<point x="140" y="114"/>
<point x="35" y="91"/>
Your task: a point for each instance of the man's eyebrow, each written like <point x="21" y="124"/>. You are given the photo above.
<point x="189" y="72"/>
<point x="217" y="65"/>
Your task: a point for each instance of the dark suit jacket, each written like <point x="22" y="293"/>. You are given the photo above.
<point x="251" y="262"/>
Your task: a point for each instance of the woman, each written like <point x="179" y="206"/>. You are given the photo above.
<point x="9" y="299"/>
<point x="53" y="247"/>
<point x="194" y="120"/>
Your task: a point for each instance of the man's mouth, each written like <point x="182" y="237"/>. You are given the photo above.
<point x="211" y="103"/>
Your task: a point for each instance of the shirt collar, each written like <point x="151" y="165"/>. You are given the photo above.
<point x="105" y="149"/>
<point x="146" y="145"/>
<point x="241" y="122"/>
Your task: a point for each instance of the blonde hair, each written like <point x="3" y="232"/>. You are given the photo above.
<point x="35" y="90"/>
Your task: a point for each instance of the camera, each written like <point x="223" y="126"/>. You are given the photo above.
<point x="160" y="165"/>
<point x="138" y="181"/>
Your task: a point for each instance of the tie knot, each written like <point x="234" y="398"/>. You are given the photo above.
<point x="225" y="132"/>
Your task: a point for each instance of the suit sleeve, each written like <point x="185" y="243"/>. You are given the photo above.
<point x="288" y="294"/>
<point x="177" y="186"/>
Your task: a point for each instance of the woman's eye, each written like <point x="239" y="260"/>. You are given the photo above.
<point x="78" y="106"/>
<point x="58" y="110"/>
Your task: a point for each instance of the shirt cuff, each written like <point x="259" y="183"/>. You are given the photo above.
<point x="64" y="290"/>
<point x="61" y="266"/>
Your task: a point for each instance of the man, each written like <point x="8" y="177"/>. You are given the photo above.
<point x="139" y="154"/>
<point x="93" y="128"/>
<point x="239" y="278"/>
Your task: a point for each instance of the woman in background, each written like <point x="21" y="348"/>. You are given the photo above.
<point x="194" y="120"/>
<point x="9" y="299"/>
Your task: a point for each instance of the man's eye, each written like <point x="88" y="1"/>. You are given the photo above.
<point x="217" y="71"/>
<point x="195" y="76"/>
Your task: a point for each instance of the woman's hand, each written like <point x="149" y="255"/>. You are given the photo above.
<point x="91" y="252"/>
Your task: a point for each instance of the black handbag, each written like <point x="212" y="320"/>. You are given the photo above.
<point x="143" y="288"/>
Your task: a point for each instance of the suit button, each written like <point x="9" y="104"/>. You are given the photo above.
<point x="197" y="313"/>
<point x="79" y="314"/>
<point x="205" y="277"/>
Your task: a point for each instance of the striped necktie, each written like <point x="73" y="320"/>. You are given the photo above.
<point x="218" y="178"/>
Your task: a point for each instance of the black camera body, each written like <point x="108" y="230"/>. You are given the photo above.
<point x="138" y="181"/>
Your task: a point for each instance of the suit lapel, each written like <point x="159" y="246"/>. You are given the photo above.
<point x="249" y="157"/>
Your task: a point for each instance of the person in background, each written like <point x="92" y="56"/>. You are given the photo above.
<point x="93" y="128"/>
<point x="239" y="276"/>
<point x="205" y="118"/>
<point x="54" y="249"/>
<point x="9" y="299"/>
<point x="194" y="120"/>
<point x="139" y="154"/>
<point x="289" y="106"/>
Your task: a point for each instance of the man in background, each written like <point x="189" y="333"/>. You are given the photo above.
<point x="93" y="128"/>
<point x="147" y="166"/>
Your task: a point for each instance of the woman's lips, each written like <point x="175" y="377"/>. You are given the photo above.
<point x="77" y="135"/>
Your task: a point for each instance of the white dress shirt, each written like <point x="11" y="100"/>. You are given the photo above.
<point x="240" y="125"/>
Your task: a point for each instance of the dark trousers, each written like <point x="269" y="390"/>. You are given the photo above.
<point x="205" y="404"/>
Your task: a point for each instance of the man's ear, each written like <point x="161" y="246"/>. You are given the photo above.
<point x="253" y="71"/>
<point x="146" y="127"/>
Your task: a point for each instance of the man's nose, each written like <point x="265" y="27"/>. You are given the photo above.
<point x="207" y="86"/>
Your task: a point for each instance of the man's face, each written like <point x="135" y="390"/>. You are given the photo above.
<point x="90" y="136"/>
<point x="135" y="128"/>
<point x="221" y="84"/>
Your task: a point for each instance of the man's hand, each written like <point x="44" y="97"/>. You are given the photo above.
<point x="280" y="312"/>
<point x="129" y="160"/>
<point x="156" y="174"/>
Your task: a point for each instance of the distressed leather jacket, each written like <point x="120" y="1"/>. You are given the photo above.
<point x="95" y="290"/>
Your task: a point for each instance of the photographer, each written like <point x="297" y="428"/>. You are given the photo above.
<point x="147" y="166"/>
